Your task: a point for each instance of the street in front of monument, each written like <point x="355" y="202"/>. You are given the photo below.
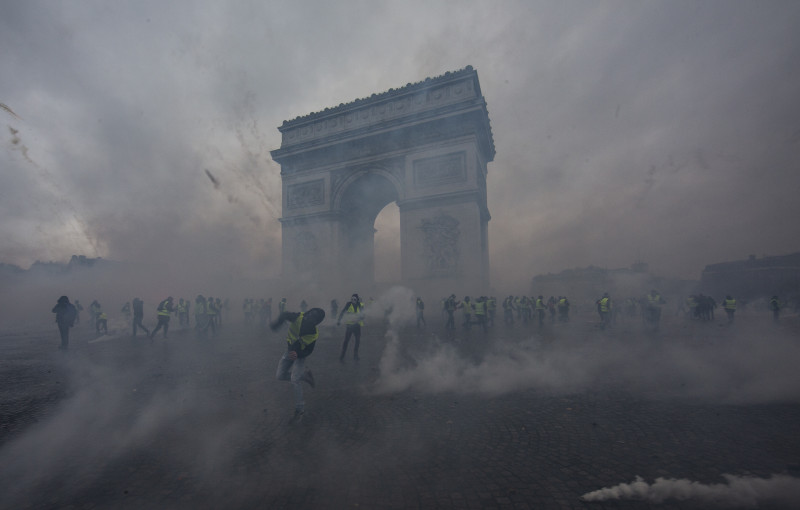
<point x="504" y="420"/>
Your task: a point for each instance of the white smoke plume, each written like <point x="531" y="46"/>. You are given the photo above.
<point x="736" y="492"/>
<point x="726" y="366"/>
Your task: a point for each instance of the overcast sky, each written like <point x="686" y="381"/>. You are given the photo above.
<point x="666" y="131"/>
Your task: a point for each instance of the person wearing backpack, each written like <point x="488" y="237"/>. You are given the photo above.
<point x="66" y="313"/>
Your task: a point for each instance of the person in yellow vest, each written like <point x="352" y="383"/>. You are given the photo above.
<point x="466" y="308"/>
<point x="353" y="313"/>
<point x="163" y="312"/>
<point x="181" y="311"/>
<point x="563" y="309"/>
<point x="604" y="307"/>
<point x="301" y="340"/>
<point x="540" y="309"/>
<point x="729" y="304"/>
<point x="491" y="310"/>
<point x="479" y="311"/>
<point x="102" y="322"/>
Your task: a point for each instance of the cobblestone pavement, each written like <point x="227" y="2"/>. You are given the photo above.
<point x="118" y="422"/>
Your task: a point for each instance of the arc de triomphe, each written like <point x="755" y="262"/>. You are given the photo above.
<point x="425" y="146"/>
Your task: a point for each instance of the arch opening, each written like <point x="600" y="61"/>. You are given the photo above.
<point x="388" y="258"/>
<point x="360" y="205"/>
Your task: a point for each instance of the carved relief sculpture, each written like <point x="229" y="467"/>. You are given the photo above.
<point x="440" y="237"/>
<point x="305" y="194"/>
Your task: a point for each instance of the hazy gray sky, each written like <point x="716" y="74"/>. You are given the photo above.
<point x="663" y="131"/>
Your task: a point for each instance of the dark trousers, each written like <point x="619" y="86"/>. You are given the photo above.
<point x="451" y="321"/>
<point x="352" y="330"/>
<point x="137" y="322"/>
<point x="63" y="330"/>
<point x="163" y="322"/>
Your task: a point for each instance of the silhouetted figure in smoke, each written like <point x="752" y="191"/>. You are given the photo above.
<point x="211" y="312"/>
<point x="302" y="338"/>
<point x="491" y="310"/>
<point x="202" y="321"/>
<point x="94" y="312"/>
<point x="729" y="304"/>
<point x="334" y="308"/>
<point x="353" y="312"/>
<point x="79" y="308"/>
<point x="66" y="314"/>
<point x="163" y="311"/>
<point x="303" y="306"/>
<point x="219" y="309"/>
<point x="775" y="307"/>
<point x="126" y="311"/>
<point x="450" y="309"/>
<point x="420" y="313"/>
<point x="540" y="310"/>
<point x="138" y="315"/>
<point x="508" y="310"/>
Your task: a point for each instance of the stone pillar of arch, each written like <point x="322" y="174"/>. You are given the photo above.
<point x="426" y="147"/>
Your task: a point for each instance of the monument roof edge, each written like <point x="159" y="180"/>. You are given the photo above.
<point x="391" y="93"/>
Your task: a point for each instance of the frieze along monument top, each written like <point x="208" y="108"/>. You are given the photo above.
<point x="426" y="147"/>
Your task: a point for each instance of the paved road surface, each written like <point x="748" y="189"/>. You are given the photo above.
<point x="422" y="421"/>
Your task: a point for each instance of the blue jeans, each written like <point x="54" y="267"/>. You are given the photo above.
<point x="292" y="370"/>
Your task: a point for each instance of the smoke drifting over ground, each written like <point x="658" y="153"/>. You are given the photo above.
<point x="736" y="492"/>
<point x="740" y="364"/>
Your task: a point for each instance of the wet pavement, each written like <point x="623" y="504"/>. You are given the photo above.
<point x="120" y="422"/>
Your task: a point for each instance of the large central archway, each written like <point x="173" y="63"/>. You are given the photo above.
<point x="426" y="147"/>
<point x="359" y="202"/>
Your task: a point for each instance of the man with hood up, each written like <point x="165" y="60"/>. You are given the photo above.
<point x="301" y="339"/>
<point x="66" y="313"/>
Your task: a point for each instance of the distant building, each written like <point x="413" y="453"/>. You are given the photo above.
<point x="754" y="277"/>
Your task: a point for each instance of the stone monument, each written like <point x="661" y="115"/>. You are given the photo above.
<point x="424" y="146"/>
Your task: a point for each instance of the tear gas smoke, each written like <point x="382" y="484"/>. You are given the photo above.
<point x="737" y="492"/>
<point x="725" y="366"/>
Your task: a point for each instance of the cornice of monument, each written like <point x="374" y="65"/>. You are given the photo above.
<point x="452" y="90"/>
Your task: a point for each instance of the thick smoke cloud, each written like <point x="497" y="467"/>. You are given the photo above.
<point x="736" y="492"/>
<point x="745" y="365"/>
<point x="662" y="132"/>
